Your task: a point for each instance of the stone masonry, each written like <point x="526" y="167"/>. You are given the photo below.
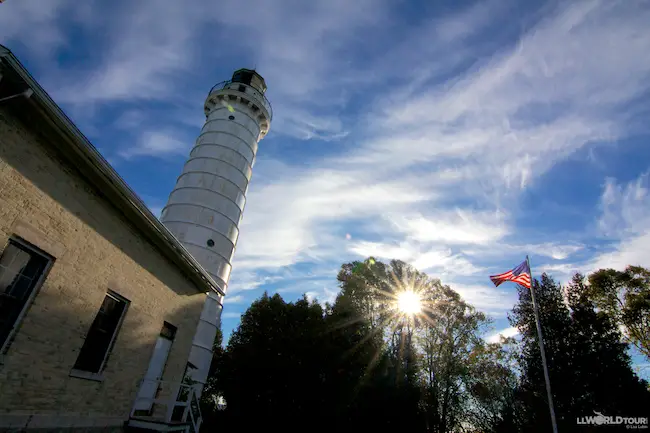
<point x="48" y="203"/>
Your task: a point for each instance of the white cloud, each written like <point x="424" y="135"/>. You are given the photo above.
<point x="495" y="301"/>
<point x="535" y="103"/>
<point x="249" y="280"/>
<point x="34" y="24"/>
<point x="468" y="21"/>
<point x="479" y="138"/>
<point x="625" y="208"/>
<point x="554" y="250"/>
<point x="288" y="220"/>
<point x="630" y="251"/>
<point x="303" y="125"/>
<point x="130" y="119"/>
<point x="157" y="144"/>
<point x="453" y="227"/>
<point x="450" y="133"/>
<point x="152" y="51"/>
<point x="149" y="47"/>
<point x="236" y="299"/>
<point x="508" y="332"/>
<point x="443" y="262"/>
<point x="380" y="250"/>
<point x="624" y="222"/>
<point x="562" y="272"/>
<point x="626" y="219"/>
<point x="323" y="296"/>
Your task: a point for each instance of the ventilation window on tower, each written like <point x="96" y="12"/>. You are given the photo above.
<point x="210" y="243"/>
<point x="231" y="117"/>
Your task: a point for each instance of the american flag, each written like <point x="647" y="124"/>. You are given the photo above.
<point x="520" y="275"/>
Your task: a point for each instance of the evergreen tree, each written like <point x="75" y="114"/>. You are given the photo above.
<point x="563" y="371"/>
<point x="608" y="384"/>
<point x="588" y="366"/>
<point x="362" y="364"/>
<point x="273" y="370"/>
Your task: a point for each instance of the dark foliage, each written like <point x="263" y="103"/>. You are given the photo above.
<point x="589" y="368"/>
<point x="359" y="365"/>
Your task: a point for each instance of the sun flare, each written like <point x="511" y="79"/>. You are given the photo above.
<point x="408" y="302"/>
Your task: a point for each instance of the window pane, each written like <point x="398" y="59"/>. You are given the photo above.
<point x="11" y="263"/>
<point x="35" y="267"/>
<point x="100" y="335"/>
<point x="20" y="288"/>
<point x="10" y="308"/>
<point x="20" y="270"/>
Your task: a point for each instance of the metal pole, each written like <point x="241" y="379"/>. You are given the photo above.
<point x="541" y="348"/>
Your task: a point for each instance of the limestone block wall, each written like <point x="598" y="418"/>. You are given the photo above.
<point x="48" y="203"/>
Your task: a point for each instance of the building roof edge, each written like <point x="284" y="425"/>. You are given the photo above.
<point x="124" y="196"/>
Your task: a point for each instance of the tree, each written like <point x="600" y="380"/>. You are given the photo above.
<point x="211" y="390"/>
<point x="431" y="350"/>
<point x="272" y="371"/>
<point x="610" y="384"/>
<point x="380" y="370"/>
<point x="625" y="296"/>
<point x="493" y="385"/>
<point x="589" y="368"/>
<point x="362" y="364"/>
<point x="449" y="334"/>
<point x="555" y="322"/>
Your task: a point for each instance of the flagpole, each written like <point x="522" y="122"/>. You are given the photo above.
<point x="541" y="348"/>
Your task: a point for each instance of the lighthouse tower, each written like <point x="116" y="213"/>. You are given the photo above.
<point x="206" y="206"/>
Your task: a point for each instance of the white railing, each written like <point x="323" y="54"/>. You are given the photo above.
<point x="234" y="86"/>
<point x="195" y="412"/>
<point x="170" y="403"/>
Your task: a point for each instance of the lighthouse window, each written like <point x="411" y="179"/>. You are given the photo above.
<point x="242" y="88"/>
<point x="231" y="117"/>
<point x="210" y="243"/>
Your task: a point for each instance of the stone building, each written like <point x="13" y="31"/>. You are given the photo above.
<point x="99" y="302"/>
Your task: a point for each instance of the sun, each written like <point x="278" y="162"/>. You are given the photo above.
<point x="408" y="302"/>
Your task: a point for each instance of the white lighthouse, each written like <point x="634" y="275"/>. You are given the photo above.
<point x="207" y="203"/>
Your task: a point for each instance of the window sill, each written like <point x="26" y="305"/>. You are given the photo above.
<point x="80" y="374"/>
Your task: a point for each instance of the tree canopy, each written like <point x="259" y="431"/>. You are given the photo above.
<point x="365" y="364"/>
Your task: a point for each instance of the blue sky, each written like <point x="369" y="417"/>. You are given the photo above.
<point x="458" y="136"/>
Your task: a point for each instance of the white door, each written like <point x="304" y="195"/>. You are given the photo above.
<point x="149" y="385"/>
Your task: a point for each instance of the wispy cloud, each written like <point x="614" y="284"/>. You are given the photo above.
<point x="626" y="219"/>
<point x="157" y="144"/>
<point x="38" y="28"/>
<point x="508" y="332"/>
<point x="440" y="261"/>
<point x="235" y="299"/>
<point x="624" y="227"/>
<point x="453" y="227"/>
<point x="625" y="208"/>
<point x="421" y="147"/>
<point x="325" y="296"/>
<point x="485" y="297"/>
